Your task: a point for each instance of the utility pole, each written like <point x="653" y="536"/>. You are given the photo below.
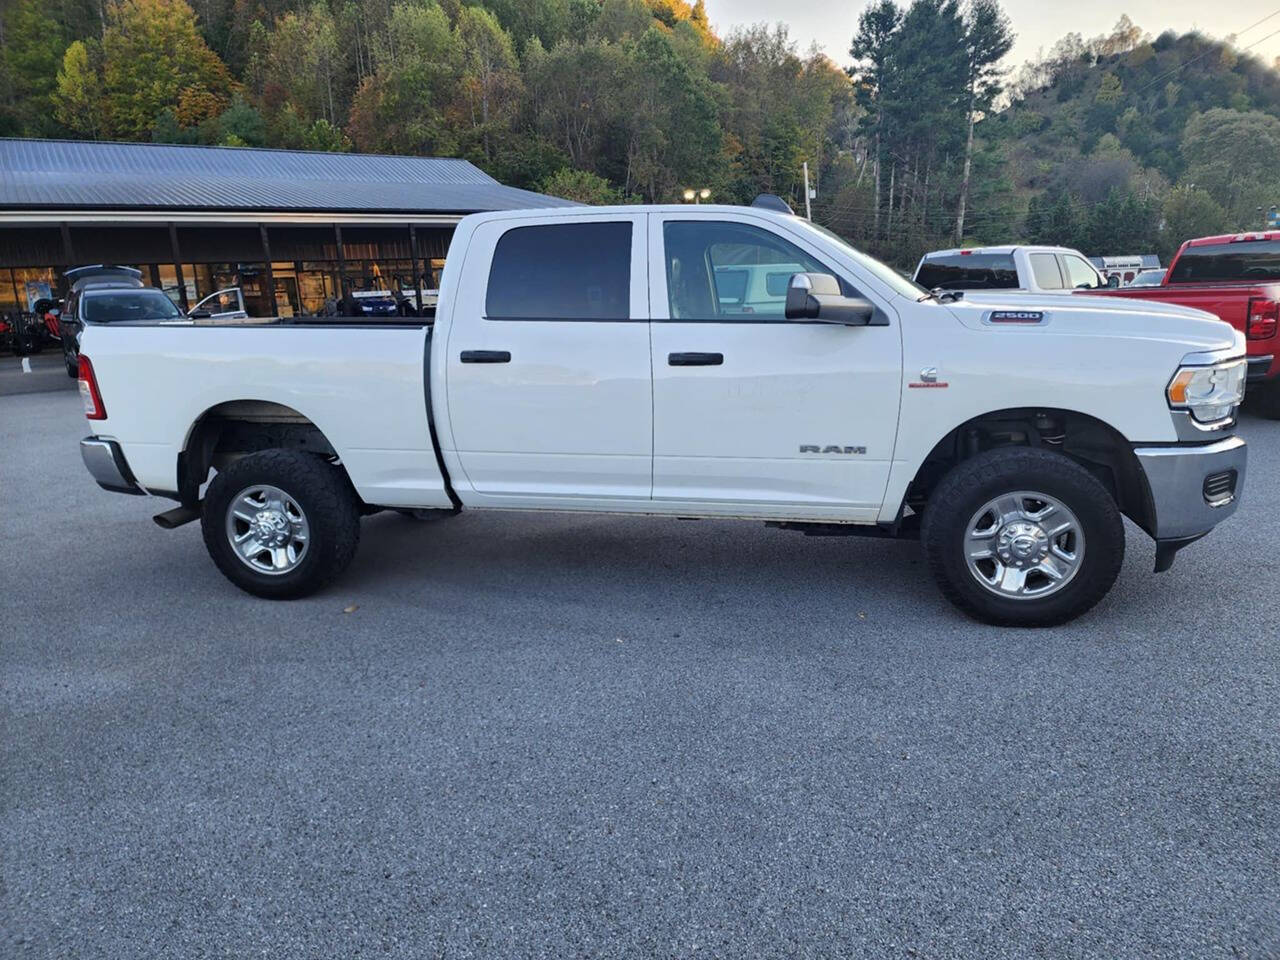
<point x="808" y="213"/>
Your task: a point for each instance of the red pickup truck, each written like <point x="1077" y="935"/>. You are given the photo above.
<point x="1237" y="278"/>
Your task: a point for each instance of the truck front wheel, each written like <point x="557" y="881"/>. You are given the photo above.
<point x="281" y="524"/>
<point x="1023" y="537"/>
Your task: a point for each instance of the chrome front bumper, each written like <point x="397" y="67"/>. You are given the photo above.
<point x="106" y="463"/>
<point x="1193" y="489"/>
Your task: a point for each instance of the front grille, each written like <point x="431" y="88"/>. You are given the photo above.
<point x="1220" y="488"/>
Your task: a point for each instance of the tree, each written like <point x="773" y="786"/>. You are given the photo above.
<point x="672" y="131"/>
<point x="34" y="43"/>
<point x="300" y="64"/>
<point x="987" y="38"/>
<point x="78" y="98"/>
<point x="873" y="49"/>
<point x="1231" y="155"/>
<point x="152" y="53"/>
<point x="1190" y="211"/>
<point x="402" y="107"/>
<point x="582" y="186"/>
<point x="490" y="74"/>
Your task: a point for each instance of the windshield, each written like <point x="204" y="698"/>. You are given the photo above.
<point x="881" y="271"/>
<point x="1242" y="261"/>
<point x="969" y="271"/>
<point x="125" y="305"/>
<point x="1148" y="278"/>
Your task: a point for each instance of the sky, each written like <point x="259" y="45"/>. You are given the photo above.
<point x="1037" y="23"/>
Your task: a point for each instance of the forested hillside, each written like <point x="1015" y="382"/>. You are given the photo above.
<point x="1118" y="144"/>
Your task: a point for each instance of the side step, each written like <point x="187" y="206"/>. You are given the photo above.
<point x="172" y="519"/>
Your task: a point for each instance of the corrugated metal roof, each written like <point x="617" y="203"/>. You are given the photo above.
<point x="66" y="174"/>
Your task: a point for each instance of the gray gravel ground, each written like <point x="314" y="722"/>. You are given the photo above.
<point x="580" y="736"/>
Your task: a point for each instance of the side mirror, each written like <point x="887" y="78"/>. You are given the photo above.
<point x="1113" y="281"/>
<point x="817" y="296"/>
<point x="200" y="314"/>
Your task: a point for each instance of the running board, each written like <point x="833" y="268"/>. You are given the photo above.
<point x="172" y="519"/>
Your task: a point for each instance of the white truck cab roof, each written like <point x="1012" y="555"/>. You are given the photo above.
<point x="1009" y="268"/>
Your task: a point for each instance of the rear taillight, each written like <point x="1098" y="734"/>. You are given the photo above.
<point x="1263" y="319"/>
<point x="94" y="408"/>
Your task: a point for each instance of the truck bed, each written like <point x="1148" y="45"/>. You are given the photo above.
<point x="363" y="390"/>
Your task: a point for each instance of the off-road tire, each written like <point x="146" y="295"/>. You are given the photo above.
<point x="974" y="482"/>
<point x="327" y="498"/>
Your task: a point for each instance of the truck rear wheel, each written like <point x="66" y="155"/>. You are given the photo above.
<point x="1023" y="537"/>
<point x="281" y="524"/>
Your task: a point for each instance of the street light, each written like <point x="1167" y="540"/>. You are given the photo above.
<point x="696" y="196"/>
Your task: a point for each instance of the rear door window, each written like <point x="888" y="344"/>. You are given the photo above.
<point x="1044" y="267"/>
<point x="1242" y="262"/>
<point x="562" y="271"/>
<point x="1080" y="275"/>
<point x="971" y="271"/>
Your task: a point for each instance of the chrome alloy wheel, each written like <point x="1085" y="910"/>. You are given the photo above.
<point x="267" y="529"/>
<point x="1024" y="545"/>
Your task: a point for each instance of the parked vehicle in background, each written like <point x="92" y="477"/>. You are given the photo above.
<point x="1124" y="269"/>
<point x="108" y="294"/>
<point x="1148" y="278"/>
<point x="1053" y="270"/>
<point x="225" y="304"/>
<point x="1235" y="277"/>
<point x="603" y="359"/>
<point x="373" y="303"/>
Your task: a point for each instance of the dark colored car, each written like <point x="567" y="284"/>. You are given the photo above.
<point x="107" y="294"/>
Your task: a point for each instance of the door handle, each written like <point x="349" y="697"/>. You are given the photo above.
<point x="486" y="356"/>
<point x="695" y="359"/>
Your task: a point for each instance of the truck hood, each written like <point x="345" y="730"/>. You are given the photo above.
<point x="1100" y="316"/>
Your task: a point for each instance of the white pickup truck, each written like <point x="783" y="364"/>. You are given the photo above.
<point x="1009" y="269"/>
<point x="647" y="360"/>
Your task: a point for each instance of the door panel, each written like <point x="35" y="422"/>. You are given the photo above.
<point x="798" y="418"/>
<point x="553" y="408"/>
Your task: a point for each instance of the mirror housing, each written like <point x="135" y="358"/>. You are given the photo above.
<point x="1113" y="281"/>
<point x="817" y="296"/>
<point x="200" y="314"/>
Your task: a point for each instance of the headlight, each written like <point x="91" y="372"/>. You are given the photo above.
<point x="1210" y="393"/>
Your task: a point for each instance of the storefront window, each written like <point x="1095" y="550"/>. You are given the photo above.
<point x="35" y="283"/>
<point x="169" y="282"/>
<point x="10" y="302"/>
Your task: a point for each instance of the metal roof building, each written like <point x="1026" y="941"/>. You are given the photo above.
<point x="64" y="175"/>
<point x="291" y="228"/>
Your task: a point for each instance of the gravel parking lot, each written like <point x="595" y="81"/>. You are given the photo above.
<point x="520" y="735"/>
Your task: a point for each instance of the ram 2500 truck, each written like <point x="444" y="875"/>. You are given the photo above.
<point x="727" y="362"/>
<point x="1235" y="277"/>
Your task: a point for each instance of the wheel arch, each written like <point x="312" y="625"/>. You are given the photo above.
<point x="232" y="429"/>
<point x="1091" y="442"/>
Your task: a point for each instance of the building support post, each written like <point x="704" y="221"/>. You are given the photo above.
<point x="68" y="251"/>
<point x="273" y="309"/>
<point x="342" y="270"/>
<point x="417" y="267"/>
<point x="177" y="266"/>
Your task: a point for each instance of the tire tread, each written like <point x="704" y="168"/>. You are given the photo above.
<point x="1004" y="465"/>
<point x="332" y="510"/>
